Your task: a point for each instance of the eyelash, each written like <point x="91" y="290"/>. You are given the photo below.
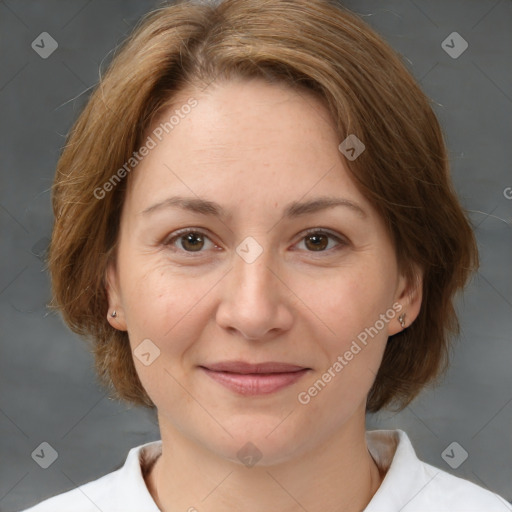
<point x="194" y="254"/>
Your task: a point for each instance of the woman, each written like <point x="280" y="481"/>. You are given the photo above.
<point x="256" y="227"/>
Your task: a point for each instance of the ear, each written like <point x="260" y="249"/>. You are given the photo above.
<point x="409" y="295"/>
<point x="114" y="298"/>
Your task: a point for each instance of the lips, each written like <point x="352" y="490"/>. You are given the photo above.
<point x="245" y="368"/>
<point x="254" y="378"/>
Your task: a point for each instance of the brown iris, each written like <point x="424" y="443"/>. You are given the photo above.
<point x="192" y="242"/>
<point x="318" y="241"/>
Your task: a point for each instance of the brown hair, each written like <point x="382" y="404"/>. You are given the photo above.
<point x="310" y="45"/>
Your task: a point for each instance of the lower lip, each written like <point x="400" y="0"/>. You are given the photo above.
<point x="254" y="383"/>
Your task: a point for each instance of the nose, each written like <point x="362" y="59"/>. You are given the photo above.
<point x="256" y="303"/>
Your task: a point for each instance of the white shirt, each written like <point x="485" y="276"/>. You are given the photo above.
<point x="410" y="485"/>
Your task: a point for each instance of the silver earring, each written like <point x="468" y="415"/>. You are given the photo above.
<point x="401" y="319"/>
<point x="113" y="314"/>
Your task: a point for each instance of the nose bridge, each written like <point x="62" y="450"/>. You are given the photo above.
<point x="253" y="280"/>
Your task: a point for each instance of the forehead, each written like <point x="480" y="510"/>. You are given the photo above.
<point x="241" y="138"/>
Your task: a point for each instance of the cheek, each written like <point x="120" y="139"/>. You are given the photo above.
<point x="349" y="305"/>
<point x="350" y="301"/>
<point x="162" y="304"/>
<point x="169" y="310"/>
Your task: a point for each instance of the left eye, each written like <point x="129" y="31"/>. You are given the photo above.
<point x="318" y="241"/>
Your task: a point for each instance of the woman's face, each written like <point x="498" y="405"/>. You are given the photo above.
<point x="265" y="274"/>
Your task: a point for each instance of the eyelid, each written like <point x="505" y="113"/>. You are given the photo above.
<point x="183" y="231"/>
<point x="324" y="231"/>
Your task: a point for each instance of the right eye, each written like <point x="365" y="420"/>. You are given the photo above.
<point x="189" y="240"/>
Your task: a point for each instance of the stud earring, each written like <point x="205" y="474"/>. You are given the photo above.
<point x="113" y="314"/>
<point x="401" y="319"/>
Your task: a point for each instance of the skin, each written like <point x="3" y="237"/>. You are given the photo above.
<point x="254" y="148"/>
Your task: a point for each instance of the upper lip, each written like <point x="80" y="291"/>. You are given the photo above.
<point x="244" y="367"/>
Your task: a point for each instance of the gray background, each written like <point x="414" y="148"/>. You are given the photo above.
<point x="48" y="390"/>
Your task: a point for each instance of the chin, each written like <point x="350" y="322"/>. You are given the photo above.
<point x="264" y="440"/>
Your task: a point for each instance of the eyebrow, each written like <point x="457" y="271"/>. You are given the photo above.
<point x="294" y="209"/>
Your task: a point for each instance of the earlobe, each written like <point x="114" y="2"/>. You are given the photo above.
<point x="409" y="296"/>
<point x="115" y="315"/>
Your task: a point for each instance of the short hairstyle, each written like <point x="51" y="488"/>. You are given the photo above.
<point x="310" y="45"/>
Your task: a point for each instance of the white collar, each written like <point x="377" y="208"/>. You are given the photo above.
<point x="409" y="485"/>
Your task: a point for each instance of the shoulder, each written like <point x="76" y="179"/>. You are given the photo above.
<point x="84" y="498"/>
<point x="411" y="485"/>
<point x="456" y="494"/>
<point x="123" y="490"/>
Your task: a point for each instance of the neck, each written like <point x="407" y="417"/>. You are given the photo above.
<point x="340" y="475"/>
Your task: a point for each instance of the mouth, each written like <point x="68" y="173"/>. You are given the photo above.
<point x="254" y="379"/>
